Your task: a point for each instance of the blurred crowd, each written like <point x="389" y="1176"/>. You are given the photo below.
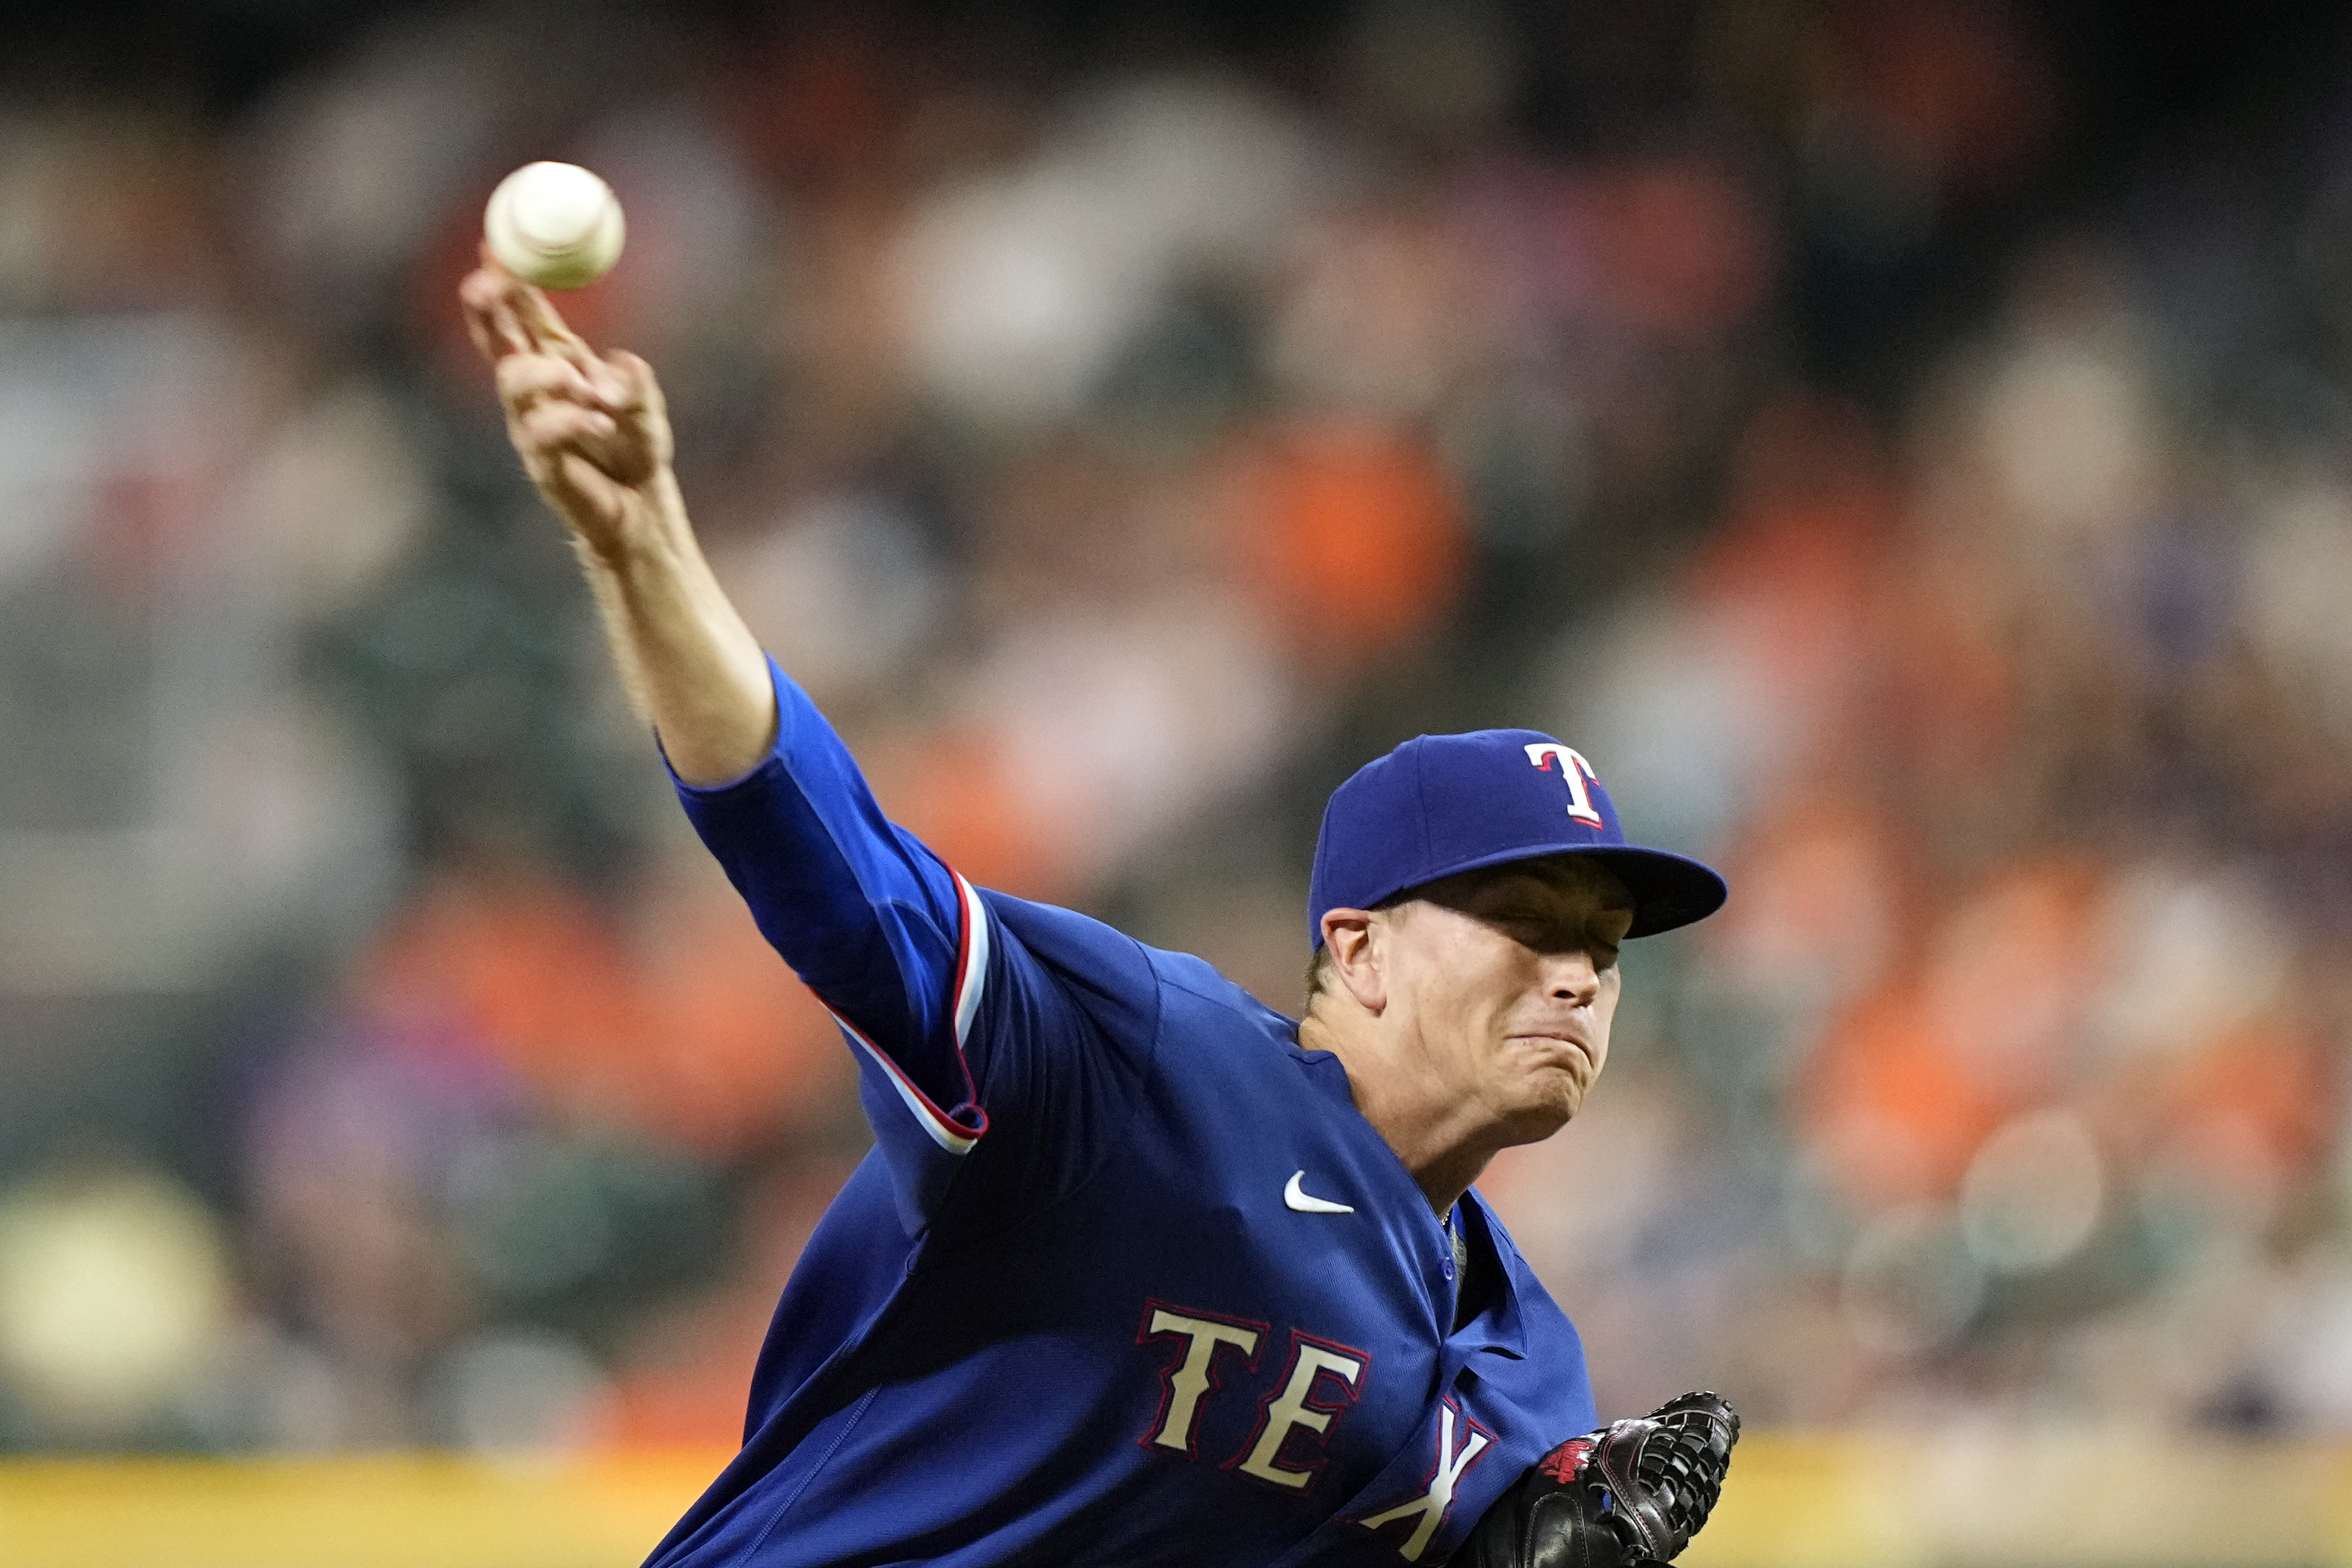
<point x="1125" y="430"/>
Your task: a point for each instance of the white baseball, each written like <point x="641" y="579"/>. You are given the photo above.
<point x="554" y="226"/>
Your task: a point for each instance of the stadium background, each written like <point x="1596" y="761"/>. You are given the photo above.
<point x="1903" y="445"/>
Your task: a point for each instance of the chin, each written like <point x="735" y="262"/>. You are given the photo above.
<point x="1544" y="1115"/>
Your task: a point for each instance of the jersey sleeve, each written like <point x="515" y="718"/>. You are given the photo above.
<point x="933" y="996"/>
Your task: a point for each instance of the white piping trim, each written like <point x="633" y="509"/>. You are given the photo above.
<point x="974" y="976"/>
<point x="933" y="1121"/>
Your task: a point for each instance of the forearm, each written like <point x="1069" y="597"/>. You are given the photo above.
<point x="691" y="666"/>
<point x="593" y="435"/>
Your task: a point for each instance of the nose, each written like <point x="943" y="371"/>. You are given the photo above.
<point x="1572" y="979"/>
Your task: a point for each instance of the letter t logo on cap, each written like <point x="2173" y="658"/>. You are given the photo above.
<point x="1575" y="769"/>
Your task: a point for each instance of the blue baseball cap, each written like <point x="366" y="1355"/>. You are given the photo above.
<point x="1442" y="804"/>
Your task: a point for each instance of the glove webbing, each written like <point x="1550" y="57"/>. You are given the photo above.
<point x="1663" y="1472"/>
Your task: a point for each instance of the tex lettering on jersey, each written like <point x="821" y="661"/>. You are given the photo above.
<point x="1461" y="1443"/>
<point x="1295" y="1414"/>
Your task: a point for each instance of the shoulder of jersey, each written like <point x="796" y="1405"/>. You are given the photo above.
<point x="1111" y="963"/>
<point x="1198" y="977"/>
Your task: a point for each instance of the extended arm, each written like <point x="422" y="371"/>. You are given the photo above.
<point x="596" y="438"/>
<point x="895" y="943"/>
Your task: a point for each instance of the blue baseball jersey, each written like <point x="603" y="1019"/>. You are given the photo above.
<point x="1126" y="1278"/>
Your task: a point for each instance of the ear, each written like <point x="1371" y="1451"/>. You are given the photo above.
<point x="1356" y="941"/>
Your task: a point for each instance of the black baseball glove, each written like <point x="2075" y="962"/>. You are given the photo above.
<point x="1631" y="1494"/>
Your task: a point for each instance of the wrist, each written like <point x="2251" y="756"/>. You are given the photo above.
<point x="655" y="538"/>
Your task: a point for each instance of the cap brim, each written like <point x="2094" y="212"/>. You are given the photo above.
<point x="1669" y="889"/>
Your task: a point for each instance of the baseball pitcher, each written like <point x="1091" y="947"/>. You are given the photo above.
<point x="1141" y="1272"/>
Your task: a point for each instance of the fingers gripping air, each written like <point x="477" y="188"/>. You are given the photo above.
<point x="1632" y="1493"/>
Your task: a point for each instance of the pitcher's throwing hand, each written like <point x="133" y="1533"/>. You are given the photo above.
<point x="591" y="430"/>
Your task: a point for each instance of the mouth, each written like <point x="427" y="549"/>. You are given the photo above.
<point x="1560" y="1045"/>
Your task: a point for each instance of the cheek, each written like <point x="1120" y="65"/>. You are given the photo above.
<point x="1471" y="979"/>
<point x="1612" y="986"/>
<point x="1604" y="1010"/>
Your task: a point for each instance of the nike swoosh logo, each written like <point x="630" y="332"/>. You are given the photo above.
<point x="1306" y="1203"/>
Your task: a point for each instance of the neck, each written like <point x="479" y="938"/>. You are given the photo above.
<point x="1438" y="1137"/>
